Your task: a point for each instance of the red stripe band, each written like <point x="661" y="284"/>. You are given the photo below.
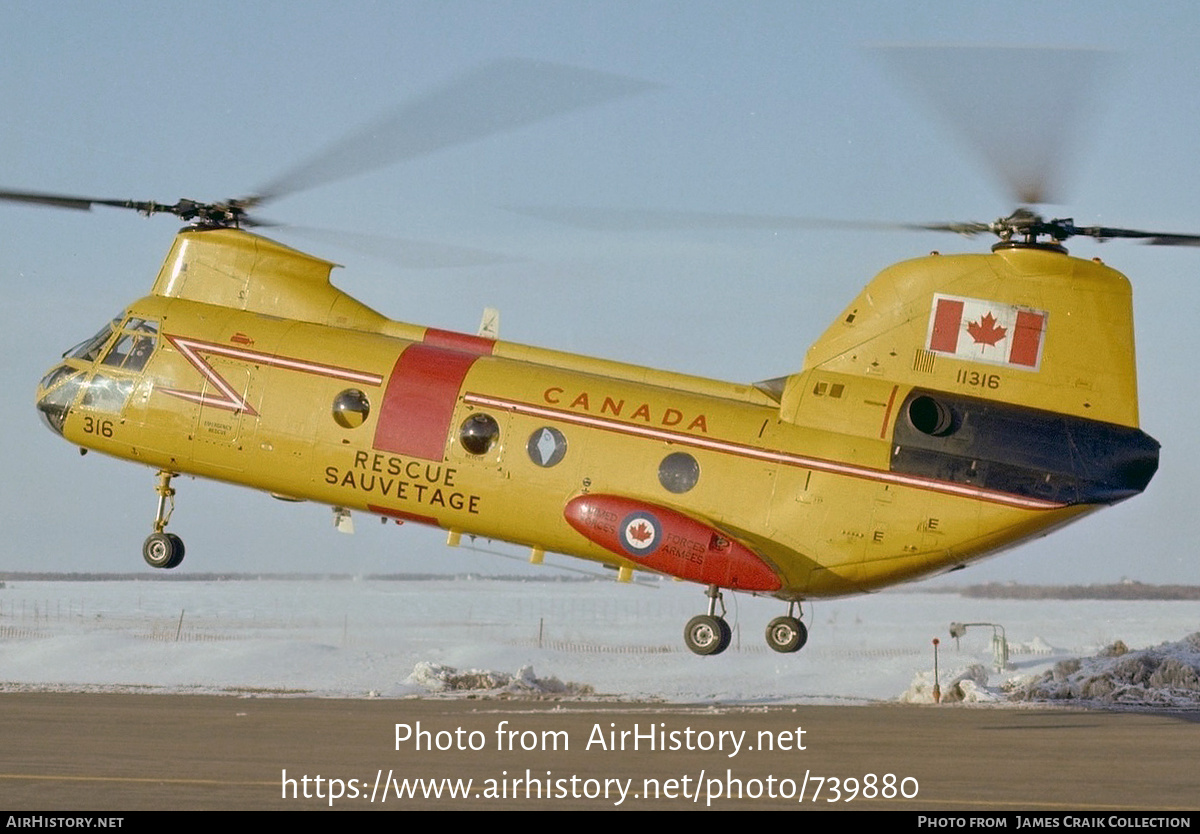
<point x="419" y="402"/>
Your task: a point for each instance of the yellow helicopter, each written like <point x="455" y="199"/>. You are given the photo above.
<point x="960" y="404"/>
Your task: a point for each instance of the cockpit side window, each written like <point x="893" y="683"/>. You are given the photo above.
<point x="134" y="346"/>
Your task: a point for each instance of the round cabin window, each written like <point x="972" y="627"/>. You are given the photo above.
<point x="678" y="472"/>
<point x="351" y="408"/>
<point x="479" y="433"/>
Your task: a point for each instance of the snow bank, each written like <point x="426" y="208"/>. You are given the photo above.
<point x="525" y="684"/>
<point x="1166" y="675"/>
<point x="1036" y="646"/>
<point x="967" y="686"/>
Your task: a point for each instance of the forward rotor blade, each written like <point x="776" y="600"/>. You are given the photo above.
<point x="218" y="213"/>
<point x="496" y="97"/>
<point x="63" y="200"/>
<point x="407" y="253"/>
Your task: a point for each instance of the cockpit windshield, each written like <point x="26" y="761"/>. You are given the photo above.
<point x="89" y="350"/>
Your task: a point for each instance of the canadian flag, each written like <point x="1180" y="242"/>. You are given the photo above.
<point x="987" y="331"/>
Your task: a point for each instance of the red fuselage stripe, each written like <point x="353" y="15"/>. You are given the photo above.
<point x="772" y="455"/>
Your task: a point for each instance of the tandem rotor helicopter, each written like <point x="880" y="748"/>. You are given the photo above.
<point x="960" y="404"/>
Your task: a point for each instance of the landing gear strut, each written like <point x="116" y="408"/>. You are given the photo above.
<point x="162" y="549"/>
<point x="787" y="634"/>
<point x="708" y="633"/>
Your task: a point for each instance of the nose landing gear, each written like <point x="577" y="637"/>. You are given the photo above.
<point x="162" y="549"/>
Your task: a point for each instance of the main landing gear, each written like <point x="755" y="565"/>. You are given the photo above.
<point x="162" y="549"/>
<point x="787" y="634"/>
<point x="709" y="634"/>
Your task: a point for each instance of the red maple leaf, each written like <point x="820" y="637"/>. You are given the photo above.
<point x="641" y="532"/>
<point x="985" y="331"/>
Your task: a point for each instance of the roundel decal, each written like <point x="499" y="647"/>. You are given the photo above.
<point x="640" y="533"/>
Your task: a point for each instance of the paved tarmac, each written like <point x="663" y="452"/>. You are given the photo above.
<point x="121" y="752"/>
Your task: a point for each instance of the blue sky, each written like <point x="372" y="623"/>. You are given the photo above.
<point x="768" y="108"/>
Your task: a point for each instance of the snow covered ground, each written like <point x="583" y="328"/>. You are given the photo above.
<point x="362" y="638"/>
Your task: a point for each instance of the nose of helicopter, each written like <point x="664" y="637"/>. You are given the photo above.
<point x="55" y="395"/>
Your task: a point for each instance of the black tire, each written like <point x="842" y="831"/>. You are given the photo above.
<point x="179" y="551"/>
<point x="159" y="550"/>
<point x="706" y="635"/>
<point x="786" y="634"/>
<point x="726" y="635"/>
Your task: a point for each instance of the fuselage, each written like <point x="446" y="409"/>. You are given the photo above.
<point x="244" y="365"/>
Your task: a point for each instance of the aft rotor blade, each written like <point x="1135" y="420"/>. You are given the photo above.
<point x="496" y="97"/>
<point x="1152" y="238"/>
<point x="1021" y="109"/>
<point x="657" y="220"/>
<point x="1173" y="240"/>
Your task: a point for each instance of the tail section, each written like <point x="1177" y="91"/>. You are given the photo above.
<point x="1013" y="372"/>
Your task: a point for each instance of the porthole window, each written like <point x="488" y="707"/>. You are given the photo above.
<point x="351" y="408"/>
<point x="931" y="417"/>
<point x="678" y="472"/>
<point x="546" y="446"/>
<point x="479" y="433"/>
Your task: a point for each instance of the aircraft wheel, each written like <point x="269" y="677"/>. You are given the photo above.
<point x="162" y="550"/>
<point x="179" y="550"/>
<point x="786" y="634"/>
<point x="707" y="635"/>
<point x="726" y="635"/>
